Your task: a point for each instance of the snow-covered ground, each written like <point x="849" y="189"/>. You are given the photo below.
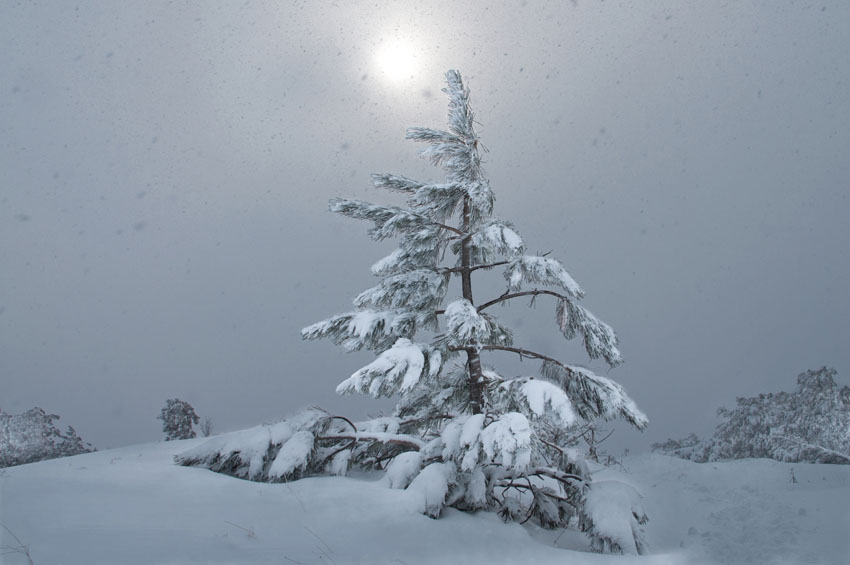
<point x="133" y="505"/>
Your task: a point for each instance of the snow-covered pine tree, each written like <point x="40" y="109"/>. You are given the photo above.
<point x="462" y="434"/>
<point x="481" y="428"/>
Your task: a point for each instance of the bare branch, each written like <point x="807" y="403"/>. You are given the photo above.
<point x="532" y="293"/>
<point x="344" y="419"/>
<point x="450" y="228"/>
<point x="597" y="442"/>
<point x="526" y="353"/>
<point x="476" y="267"/>
<point x="555" y="474"/>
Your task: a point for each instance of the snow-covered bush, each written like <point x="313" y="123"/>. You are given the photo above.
<point x="178" y="417"/>
<point x="462" y="435"/>
<point x="33" y="436"/>
<point x="809" y="425"/>
<point x="690" y="447"/>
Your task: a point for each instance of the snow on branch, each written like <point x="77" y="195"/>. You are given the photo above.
<point x="253" y="453"/>
<point x="438" y="201"/>
<point x="430" y="135"/>
<point x="370" y="329"/>
<point x="395" y="183"/>
<point x="493" y="239"/>
<point x="457" y="158"/>
<point x="419" y="289"/>
<point x="537" y="397"/>
<point x="507" y="441"/>
<point x="461" y="440"/>
<point x="456" y="152"/>
<point x="417" y="250"/>
<point x="481" y="200"/>
<point x="599" y="338"/>
<point x="461" y="117"/>
<point x="593" y="396"/>
<point x="402" y="469"/>
<point x="466" y="326"/>
<point x="813" y="452"/>
<point x="534" y="269"/>
<point x="472" y="441"/>
<point x="292" y="459"/>
<point x="433" y="484"/>
<point x="397" y="369"/>
<point x="388" y="221"/>
<point x="612" y="516"/>
<point x="403" y="440"/>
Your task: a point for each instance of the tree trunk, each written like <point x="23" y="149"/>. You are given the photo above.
<point x="466" y="254"/>
<point x="473" y="359"/>
<point x="476" y="381"/>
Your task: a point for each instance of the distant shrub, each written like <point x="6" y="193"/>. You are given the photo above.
<point x="810" y="425"/>
<point x="33" y="436"/>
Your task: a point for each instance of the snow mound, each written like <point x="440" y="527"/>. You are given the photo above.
<point x="262" y="453"/>
<point x="613" y="515"/>
<point x="134" y="506"/>
<point x="432" y="485"/>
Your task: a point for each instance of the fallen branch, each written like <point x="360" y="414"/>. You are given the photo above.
<point x="555" y="474"/>
<point x="394" y="439"/>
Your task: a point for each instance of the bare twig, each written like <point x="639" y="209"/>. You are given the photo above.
<point x="555" y="474"/>
<point x="594" y="440"/>
<point x="315" y="535"/>
<point x="21" y="548"/>
<point x="248" y="531"/>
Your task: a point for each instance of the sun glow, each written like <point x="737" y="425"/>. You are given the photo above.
<point x="396" y="61"/>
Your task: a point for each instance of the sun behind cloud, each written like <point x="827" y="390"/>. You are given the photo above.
<point x="396" y="60"/>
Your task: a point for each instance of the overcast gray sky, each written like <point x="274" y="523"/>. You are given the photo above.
<point x="165" y="170"/>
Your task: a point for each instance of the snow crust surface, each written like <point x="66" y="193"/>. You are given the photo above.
<point x="134" y="506"/>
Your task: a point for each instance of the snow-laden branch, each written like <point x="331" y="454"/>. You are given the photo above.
<point x="598" y="337"/>
<point x="539" y="398"/>
<point x="396" y="370"/>
<point x="555" y="474"/>
<point x="593" y="396"/>
<point x="490" y="240"/>
<point x="396" y="183"/>
<point x="370" y="329"/>
<point x="402" y="440"/>
<point x="536" y="269"/>
<point x="417" y="289"/>
<point x="455" y="151"/>
<point x="814" y="446"/>
<point x="465" y="326"/>
<point x="389" y="220"/>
